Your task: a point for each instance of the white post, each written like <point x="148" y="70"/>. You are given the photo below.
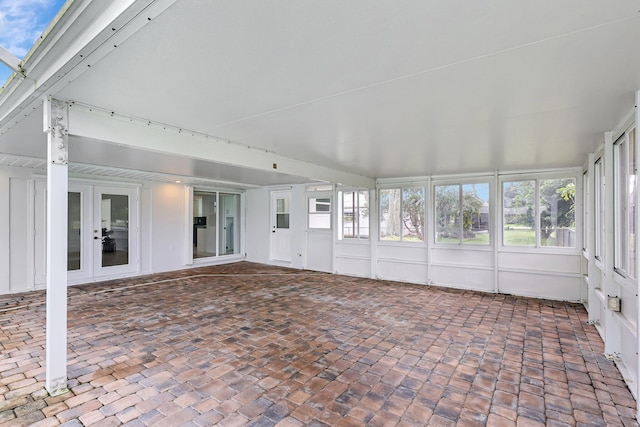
<point x="609" y="286"/>
<point x="56" y="125"/>
<point x="637" y="219"/>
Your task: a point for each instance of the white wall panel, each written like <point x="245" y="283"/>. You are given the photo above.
<point x="40" y="237"/>
<point x="629" y="356"/>
<point x="257" y="217"/>
<point x="540" y="285"/>
<point x="402" y="252"/>
<point x="629" y="297"/>
<point x="462" y="256"/>
<point x="557" y="262"/>
<point x="167" y="228"/>
<point x="4" y="231"/>
<point x="20" y="230"/>
<point x="463" y="278"/>
<point x="358" y="250"/>
<point x="412" y="272"/>
<point x="353" y="266"/>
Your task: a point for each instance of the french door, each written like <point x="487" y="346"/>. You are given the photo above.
<point x="114" y="231"/>
<point x="102" y="231"/>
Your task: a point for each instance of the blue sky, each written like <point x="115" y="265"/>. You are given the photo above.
<point x="21" y="23"/>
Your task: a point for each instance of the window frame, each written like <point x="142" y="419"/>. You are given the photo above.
<point x="460" y="183"/>
<point x="538" y="177"/>
<point x="624" y="219"/>
<point x="340" y="213"/>
<point x="316" y="196"/>
<point x="401" y="188"/>
<point x="191" y="229"/>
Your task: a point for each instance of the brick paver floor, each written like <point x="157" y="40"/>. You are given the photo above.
<point x="251" y="344"/>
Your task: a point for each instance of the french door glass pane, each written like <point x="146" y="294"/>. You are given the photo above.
<point x="115" y="229"/>
<point x="74" y="232"/>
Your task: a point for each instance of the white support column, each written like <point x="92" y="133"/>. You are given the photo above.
<point x="56" y="126"/>
<point x="609" y="286"/>
<point x="637" y="204"/>
<point x="592" y="270"/>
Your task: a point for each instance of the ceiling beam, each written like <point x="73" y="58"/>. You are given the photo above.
<point x="91" y="122"/>
<point x="10" y="60"/>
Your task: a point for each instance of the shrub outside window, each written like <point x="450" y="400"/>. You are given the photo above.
<point x="462" y="214"/>
<point x="402" y="214"/>
<point x="548" y="223"/>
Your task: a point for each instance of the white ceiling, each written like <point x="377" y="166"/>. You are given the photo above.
<point x="382" y="88"/>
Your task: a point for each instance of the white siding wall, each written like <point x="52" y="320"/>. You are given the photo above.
<point x="167" y="215"/>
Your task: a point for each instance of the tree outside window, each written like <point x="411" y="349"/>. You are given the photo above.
<point x="462" y="213"/>
<point x="555" y="212"/>
<point x="402" y="214"/>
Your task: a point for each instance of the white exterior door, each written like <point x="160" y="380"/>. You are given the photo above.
<point x="319" y="232"/>
<point x="280" y="226"/>
<point x="115" y="231"/>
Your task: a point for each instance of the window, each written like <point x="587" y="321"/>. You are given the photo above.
<point x="548" y="223"/>
<point x="402" y="213"/>
<point x="585" y="210"/>
<point x="462" y="213"/>
<point x="353" y="221"/>
<point x="320" y="212"/>
<point x="624" y="154"/>
<point x="599" y="209"/>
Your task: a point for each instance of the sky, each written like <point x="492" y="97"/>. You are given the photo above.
<point x="21" y="23"/>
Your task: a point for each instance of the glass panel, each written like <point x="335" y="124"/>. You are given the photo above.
<point x="413" y="214"/>
<point x="585" y="211"/>
<point x="282" y="213"/>
<point x="620" y="204"/>
<point x="230" y="223"/>
<point x="205" y="211"/>
<point x="475" y="214"/>
<point x="557" y="212"/>
<point x="320" y="213"/>
<point x="282" y="205"/>
<point x="363" y="214"/>
<point x="74" y="232"/>
<point x="447" y="213"/>
<point x="633" y="226"/>
<point x="390" y="204"/>
<point x="599" y="209"/>
<point x="115" y="229"/>
<point x="282" y="220"/>
<point x="518" y="213"/>
<point x="348" y="206"/>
